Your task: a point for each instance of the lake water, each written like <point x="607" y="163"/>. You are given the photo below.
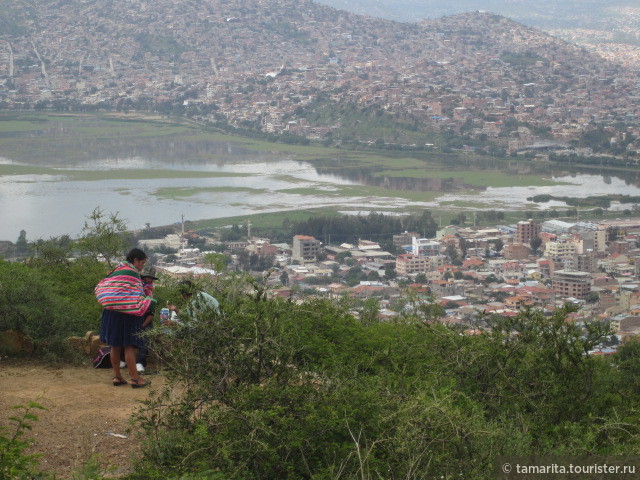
<point x="168" y="180"/>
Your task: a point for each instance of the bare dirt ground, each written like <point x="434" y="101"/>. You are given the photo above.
<point x="85" y="415"/>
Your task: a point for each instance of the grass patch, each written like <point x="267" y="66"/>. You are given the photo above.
<point x="362" y="191"/>
<point x="467" y="205"/>
<point x="264" y="220"/>
<point x="393" y="164"/>
<point x="300" y="151"/>
<point x="328" y="191"/>
<point x="481" y="179"/>
<point x="17" y="126"/>
<point x="140" y="130"/>
<point x="369" y="191"/>
<point x="290" y="179"/>
<point x="185" y="192"/>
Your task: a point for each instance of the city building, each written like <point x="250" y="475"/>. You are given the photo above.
<point x="409" y="264"/>
<point x="586" y="262"/>
<point x="620" y="247"/>
<point x="595" y="240"/>
<point x="560" y="250"/>
<point x="305" y="248"/>
<point x="527" y="231"/>
<point x="569" y="283"/>
<point x="404" y="238"/>
<point x="424" y="247"/>
<point x="516" y="251"/>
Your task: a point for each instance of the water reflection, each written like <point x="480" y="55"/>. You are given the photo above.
<point x="591" y="178"/>
<point x="64" y="145"/>
<point x="366" y="177"/>
<point x="47" y="205"/>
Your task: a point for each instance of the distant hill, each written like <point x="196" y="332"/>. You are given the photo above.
<point x="305" y="70"/>
<point x="610" y="28"/>
<point x="545" y="14"/>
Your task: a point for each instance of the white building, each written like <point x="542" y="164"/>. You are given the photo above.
<point x="424" y="247"/>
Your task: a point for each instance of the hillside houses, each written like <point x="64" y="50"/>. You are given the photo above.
<point x="229" y="61"/>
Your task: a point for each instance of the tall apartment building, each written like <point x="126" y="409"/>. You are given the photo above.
<point x="621" y="247"/>
<point x="527" y="231"/>
<point x="594" y="240"/>
<point x="561" y="250"/>
<point x="586" y="262"/>
<point x="409" y="264"/>
<point x="305" y="248"/>
<point x="568" y="283"/>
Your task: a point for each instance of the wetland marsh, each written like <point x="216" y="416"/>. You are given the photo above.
<point x="54" y="170"/>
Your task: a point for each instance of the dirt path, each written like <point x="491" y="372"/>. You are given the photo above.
<point x="84" y="411"/>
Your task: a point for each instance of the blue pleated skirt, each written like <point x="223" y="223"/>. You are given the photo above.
<point x="119" y="329"/>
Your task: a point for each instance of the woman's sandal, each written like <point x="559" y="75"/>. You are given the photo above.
<point x="135" y="383"/>
<point x="117" y="381"/>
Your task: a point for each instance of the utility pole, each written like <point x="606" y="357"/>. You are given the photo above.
<point x="182" y="235"/>
<point x="248" y="229"/>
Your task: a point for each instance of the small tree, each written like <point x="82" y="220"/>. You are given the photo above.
<point x="421" y="278"/>
<point x="217" y="261"/>
<point x="390" y="271"/>
<point x="103" y="236"/>
<point x="54" y="251"/>
<point x="21" y="243"/>
<point x="592" y="297"/>
<point x="342" y="256"/>
<point x="535" y="244"/>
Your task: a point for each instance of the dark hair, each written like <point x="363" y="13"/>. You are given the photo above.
<point x="135" y="254"/>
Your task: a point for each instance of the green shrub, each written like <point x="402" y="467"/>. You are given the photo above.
<point x="268" y="388"/>
<point x="14" y="461"/>
<point x="49" y="303"/>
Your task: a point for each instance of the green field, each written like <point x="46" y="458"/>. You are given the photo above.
<point x="364" y="191"/>
<point x="180" y="192"/>
<point x="263" y="220"/>
<point x="480" y="179"/>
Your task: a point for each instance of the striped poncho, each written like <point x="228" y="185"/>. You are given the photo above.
<point x="121" y="290"/>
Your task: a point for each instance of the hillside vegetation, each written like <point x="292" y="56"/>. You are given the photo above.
<point x="269" y="388"/>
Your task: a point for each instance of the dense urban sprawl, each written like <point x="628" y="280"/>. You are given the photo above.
<point x="287" y="67"/>
<point x="471" y="272"/>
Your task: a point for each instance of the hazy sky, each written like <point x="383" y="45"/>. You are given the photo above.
<point x="541" y="13"/>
